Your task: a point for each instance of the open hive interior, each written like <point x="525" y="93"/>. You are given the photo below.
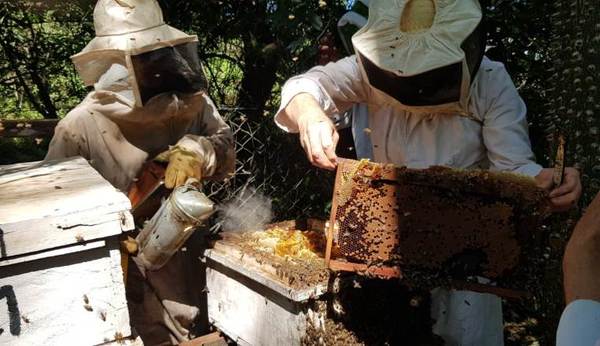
<point x="291" y="251"/>
<point x="436" y="218"/>
<point x="367" y="311"/>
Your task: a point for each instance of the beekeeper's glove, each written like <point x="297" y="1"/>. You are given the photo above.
<point x="183" y="164"/>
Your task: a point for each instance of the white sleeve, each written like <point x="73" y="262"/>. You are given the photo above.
<point x="336" y="86"/>
<point x="579" y="324"/>
<point x="505" y="129"/>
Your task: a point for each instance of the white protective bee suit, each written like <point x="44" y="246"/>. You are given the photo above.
<point x="481" y="124"/>
<point x="358" y="115"/>
<point x="118" y="127"/>
<point x="144" y="105"/>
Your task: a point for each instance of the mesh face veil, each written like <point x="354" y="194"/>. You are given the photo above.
<point x="158" y="58"/>
<point x="423" y="54"/>
<point x="166" y="69"/>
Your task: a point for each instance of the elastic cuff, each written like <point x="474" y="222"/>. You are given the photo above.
<point x="532" y="170"/>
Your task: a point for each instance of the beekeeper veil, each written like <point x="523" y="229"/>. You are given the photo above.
<point x="134" y="47"/>
<point x="422" y="54"/>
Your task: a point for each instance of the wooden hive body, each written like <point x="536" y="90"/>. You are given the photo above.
<point x="61" y="281"/>
<point x="252" y="301"/>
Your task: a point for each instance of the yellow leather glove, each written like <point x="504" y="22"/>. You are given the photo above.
<point x="183" y="164"/>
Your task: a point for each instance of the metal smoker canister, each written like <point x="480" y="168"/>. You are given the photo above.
<point x="185" y="209"/>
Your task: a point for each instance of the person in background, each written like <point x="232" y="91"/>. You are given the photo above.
<point x="433" y="98"/>
<point x="348" y="25"/>
<point x="580" y="322"/>
<point x="149" y="98"/>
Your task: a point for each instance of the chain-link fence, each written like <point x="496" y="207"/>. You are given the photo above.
<point x="272" y="163"/>
<point x="268" y="162"/>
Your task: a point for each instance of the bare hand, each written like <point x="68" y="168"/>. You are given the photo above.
<point x="319" y="139"/>
<point x="567" y="195"/>
<point x="318" y="135"/>
<point x="581" y="261"/>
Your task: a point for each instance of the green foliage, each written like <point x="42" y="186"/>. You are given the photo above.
<point x="35" y="46"/>
<point x="265" y="40"/>
<point x="249" y="49"/>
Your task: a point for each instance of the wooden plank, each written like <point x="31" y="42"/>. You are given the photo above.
<point x="124" y="342"/>
<point x="28" y="128"/>
<point x="36" y="235"/>
<point x="233" y="258"/>
<point x="53" y="253"/>
<point x="212" y="339"/>
<point x="74" y="299"/>
<point x="53" y="188"/>
<point x="46" y="205"/>
<point x="382" y="272"/>
<point x="245" y="314"/>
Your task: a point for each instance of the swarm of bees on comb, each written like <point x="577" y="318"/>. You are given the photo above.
<point x="430" y="218"/>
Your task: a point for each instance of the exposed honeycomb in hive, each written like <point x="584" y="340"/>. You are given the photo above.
<point x="288" y="243"/>
<point x="296" y="254"/>
<point x="429" y="218"/>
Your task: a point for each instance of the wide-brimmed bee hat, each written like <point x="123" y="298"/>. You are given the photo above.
<point x="423" y="54"/>
<point x="133" y="33"/>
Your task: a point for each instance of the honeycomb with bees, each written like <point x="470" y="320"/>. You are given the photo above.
<point x="433" y="218"/>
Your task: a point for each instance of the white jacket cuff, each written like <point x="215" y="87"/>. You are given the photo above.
<point x="531" y="169"/>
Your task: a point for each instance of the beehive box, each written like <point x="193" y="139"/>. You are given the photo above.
<point x="257" y="299"/>
<point x="391" y="218"/>
<point x="61" y="281"/>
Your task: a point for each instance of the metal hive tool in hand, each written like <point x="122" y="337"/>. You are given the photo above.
<point x="387" y="220"/>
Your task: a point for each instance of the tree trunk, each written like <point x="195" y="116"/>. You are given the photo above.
<point x="43" y="89"/>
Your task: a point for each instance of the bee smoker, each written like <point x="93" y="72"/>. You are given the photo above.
<point x="178" y="217"/>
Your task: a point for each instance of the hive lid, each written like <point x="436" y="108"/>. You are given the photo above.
<point x="46" y="205"/>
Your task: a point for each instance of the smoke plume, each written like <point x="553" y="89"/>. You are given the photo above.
<point x="250" y="210"/>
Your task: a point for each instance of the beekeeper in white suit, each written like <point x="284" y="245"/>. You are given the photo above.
<point x="149" y="97"/>
<point x="433" y="99"/>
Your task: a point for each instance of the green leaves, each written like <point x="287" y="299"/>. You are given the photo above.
<point x="35" y="46"/>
